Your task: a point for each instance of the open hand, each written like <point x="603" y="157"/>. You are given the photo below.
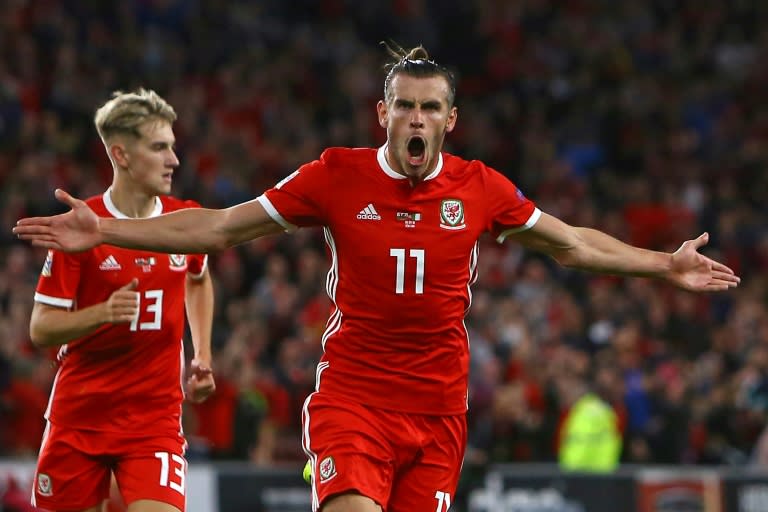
<point x="693" y="271"/>
<point x="74" y="231"/>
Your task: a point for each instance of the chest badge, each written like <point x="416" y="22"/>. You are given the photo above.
<point x="177" y="262"/>
<point x="408" y="218"/>
<point x="452" y="214"/>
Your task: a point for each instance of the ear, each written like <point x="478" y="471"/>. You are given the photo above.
<point x="118" y="154"/>
<point x="452" y="116"/>
<point x="381" y="109"/>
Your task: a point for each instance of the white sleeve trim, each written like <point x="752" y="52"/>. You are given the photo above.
<point x="532" y="220"/>
<point x="53" y="301"/>
<point x="272" y="212"/>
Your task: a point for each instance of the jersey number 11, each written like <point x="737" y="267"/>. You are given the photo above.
<point x="399" y="255"/>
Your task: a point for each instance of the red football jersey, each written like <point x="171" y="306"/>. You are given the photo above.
<point x="124" y="378"/>
<point x="403" y="259"/>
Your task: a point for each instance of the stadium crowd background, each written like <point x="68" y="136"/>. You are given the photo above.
<point x="644" y="118"/>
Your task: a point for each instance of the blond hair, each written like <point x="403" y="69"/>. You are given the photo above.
<point x="127" y="111"/>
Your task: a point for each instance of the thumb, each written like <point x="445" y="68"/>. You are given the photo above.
<point x="130" y="286"/>
<point x="65" y="197"/>
<point x="701" y="240"/>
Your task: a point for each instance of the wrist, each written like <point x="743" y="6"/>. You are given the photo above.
<point x="203" y="359"/>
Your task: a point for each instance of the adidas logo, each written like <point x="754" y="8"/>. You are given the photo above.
<point x="109" y="263"/>
<point x="369" y="213"/>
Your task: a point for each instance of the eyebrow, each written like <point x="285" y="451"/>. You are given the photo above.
<point x="434" y="104"/>
<point x="162" y="143"/>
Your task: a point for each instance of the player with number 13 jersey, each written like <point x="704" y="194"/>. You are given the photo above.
<point x="121" y="378"/>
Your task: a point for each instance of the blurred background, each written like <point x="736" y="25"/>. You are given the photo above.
<point x="643" y="118"/>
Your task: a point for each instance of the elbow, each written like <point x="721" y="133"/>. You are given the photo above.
<point x="218" y="244"/>
<point x="38" y="337"/>
<point x="567" y="259"/>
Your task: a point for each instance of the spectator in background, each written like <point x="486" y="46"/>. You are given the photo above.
<point x="116" y="318"/>
<point x="392" y="384"/>
<point x="590" y="437"/>
<point x="596" y="108"/>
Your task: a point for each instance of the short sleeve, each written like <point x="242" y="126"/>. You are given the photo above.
<point x="59" y="279"/>
<point x="509" y="211"/>
<point x="300" y="199"/>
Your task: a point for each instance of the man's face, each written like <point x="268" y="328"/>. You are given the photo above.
<point x="151" y="158"/>
<point x="417" y="119"/>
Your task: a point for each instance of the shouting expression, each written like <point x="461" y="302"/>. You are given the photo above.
<point x="416" y="118"/>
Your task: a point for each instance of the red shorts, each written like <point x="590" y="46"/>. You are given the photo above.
<point x="74" y="466"/>
<point x="404" y="462"/>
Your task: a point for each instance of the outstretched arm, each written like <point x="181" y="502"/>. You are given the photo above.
<point x="593" y="250"/>
<point x="193" y="230"/>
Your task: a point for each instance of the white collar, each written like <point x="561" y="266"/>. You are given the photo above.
<point x="111" y="208"/>
<point x="381" y="156"/>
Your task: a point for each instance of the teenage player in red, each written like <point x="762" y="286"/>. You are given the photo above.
<point x="385" y="429"/>
<point x="117" y="318"/>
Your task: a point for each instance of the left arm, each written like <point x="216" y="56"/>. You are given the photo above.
<point x="199" y="305"/>
<point x="593" y="250"/>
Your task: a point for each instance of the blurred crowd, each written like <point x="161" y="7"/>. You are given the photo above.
<point x="644" y="118"/>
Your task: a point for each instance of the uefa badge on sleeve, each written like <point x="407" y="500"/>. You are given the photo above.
<point x="48" y="265"/>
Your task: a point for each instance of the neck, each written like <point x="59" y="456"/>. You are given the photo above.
<point x="132" y="203"/>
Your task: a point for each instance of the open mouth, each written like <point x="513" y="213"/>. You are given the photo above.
<point x="417" y="150"/>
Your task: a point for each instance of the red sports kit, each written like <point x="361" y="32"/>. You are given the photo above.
<point x="403" y="259"/>
<point x="115" y="404"/>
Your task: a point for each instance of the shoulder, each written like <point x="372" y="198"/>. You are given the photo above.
<point x="171" y="203"/>
<point x="336" y="156"/>
<point x="96" y="203"/>
<point x="457" y="166"/>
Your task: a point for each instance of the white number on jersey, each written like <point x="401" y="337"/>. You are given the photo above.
<point x="154" y="305"/>
<point x="443" y="501"/>
<point x="418" y="255"/>
<point x="176" y="480"/>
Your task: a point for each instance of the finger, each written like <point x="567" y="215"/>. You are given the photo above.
<point x="125" y="298"/>
<point x="200" y="394"/>
<point x="31" y="228"/>
<point x="719" y="287"/>
<point x="726" y="277"/>
<point x="125" y="306"/>
<point x="65" y="198"/>
<point x="202" y="371"/>
<point x="723" y="284"/>
<point x="31" y="222"/>
<point x="719" y="267"/>
<point x="196" y="365"/>
<point x="123" y="318"/>
<point x="45" y="244"/>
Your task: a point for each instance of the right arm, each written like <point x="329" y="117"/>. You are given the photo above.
<point x="192" y="230"/>
<point x="51" y="326"/>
